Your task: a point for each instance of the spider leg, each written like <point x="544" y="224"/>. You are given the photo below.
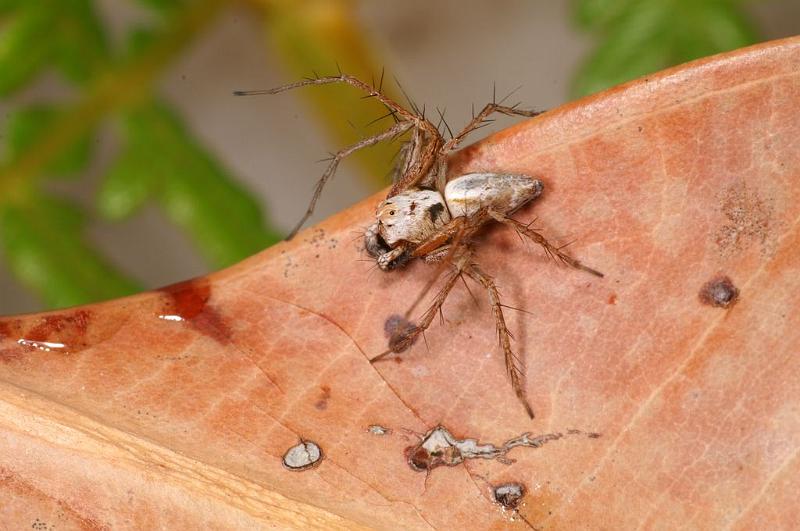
<point x="449" y="246"/>
<point x="453" y="254"/>
<point x="371" y="92"/>
<point x="405" y="152"/>
<point x="513" y="364"/>
<point x="467" y="227"/>
<point x="458" y="255"/>
<point x="438" y="163"/>
<point x="406" y="336"/>
<point x="479" y="120"/>
<point x="550" y="249"/>
<point x="417" y="160"/>
<point x="440" y="237"/>
<point x="424" y="155"/>
<point x="396" y="129"/>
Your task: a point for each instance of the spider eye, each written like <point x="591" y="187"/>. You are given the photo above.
<point x="391" y="212"/>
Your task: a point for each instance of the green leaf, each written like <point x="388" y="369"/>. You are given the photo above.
<point x="26" y="125"/>
<point x="43" y="244"/>
<point x="24" y="48"/>
<point x="593" y="14"/>
<point x="162" y="158"/>
<point x="126" y="186"/>
<point x="66" y="33"/>
<point x="640" y="37"/>
<point x="139" y="39"/>
<point x="712" y="27"/>
<point x="162" y="5"/>
<point x="81" y="48"/>
<point x="42" y="236"/>
<point x="6" y="6"/>
<point x="633" y="49"/>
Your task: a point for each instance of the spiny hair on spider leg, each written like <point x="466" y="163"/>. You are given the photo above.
<point x="521" y="310"/>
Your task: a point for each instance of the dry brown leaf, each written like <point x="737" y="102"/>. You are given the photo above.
<point x="174" y="408"/>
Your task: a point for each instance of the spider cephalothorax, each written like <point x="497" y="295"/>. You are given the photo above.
<point x="427" y="216"/>
<point x="409" y="218"/>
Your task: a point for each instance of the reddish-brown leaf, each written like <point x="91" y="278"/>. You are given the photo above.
<point x="174" y="408"/>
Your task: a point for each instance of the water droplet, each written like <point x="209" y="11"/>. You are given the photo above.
<point x="45" y="346"/>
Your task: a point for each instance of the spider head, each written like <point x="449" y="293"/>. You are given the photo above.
<point x="411" y="216"/>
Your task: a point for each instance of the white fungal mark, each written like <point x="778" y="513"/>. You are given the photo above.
<point x="440" y="447"/>
<point x="302" y="456"/>
<point x="375" y="429"/>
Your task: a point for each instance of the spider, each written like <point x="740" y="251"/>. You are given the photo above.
<point x="426" y="216"/>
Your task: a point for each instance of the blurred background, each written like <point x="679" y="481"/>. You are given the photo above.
<point x="128" y="164"/>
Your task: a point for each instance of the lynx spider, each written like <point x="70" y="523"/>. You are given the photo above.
<point x="426" y="216"/>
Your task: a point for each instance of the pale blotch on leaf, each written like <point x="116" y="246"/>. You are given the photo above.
<point x="376" y="429"/>
<point x="302" y="456"/>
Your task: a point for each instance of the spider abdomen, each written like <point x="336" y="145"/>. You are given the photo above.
<point x="468" y="194"/>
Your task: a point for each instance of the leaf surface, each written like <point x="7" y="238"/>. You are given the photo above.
<point x="175" y="407"/>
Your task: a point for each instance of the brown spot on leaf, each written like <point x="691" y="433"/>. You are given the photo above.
<point x="322" y="403"/>
<point x="69" y="328"/>
<point x="720" y="292"/>
<point x="8" y="350"/>
<point x="62" y="332"/>
<point x="5" y="329"/>
<point x="509" y="495"/>
<point x="189" y="301"/>
<point x="401" y="332"/>
<point x="419" y="458"/>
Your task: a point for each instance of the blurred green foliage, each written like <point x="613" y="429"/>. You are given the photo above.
<point x="43" y="234"/>
<point x="638" y="37"/>
<point x="161" y="160"/>
<point x="62" y="33"/>
<point x="44" y="245"/>
<point x="26" y="125"/>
